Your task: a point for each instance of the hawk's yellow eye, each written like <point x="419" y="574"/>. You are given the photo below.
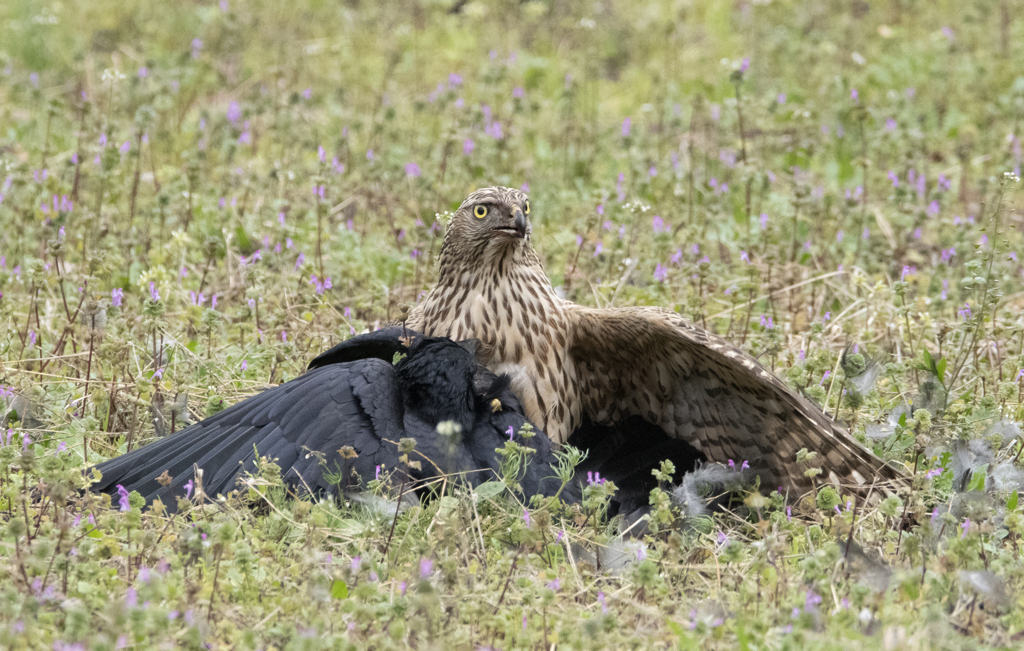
<point x="480" y="211"/>
<point x="526" y="207"/>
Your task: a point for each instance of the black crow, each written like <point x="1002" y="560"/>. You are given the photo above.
<point x="335" y="427"/>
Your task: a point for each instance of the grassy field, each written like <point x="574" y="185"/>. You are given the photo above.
<point x="198" y="197"/>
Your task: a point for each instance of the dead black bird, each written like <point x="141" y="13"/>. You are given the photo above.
<point x="332" y="428"/>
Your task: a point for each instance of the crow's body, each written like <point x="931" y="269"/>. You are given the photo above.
<point x="351" y="397"/>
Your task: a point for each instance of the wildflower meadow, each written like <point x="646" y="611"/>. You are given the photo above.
<point x="196" y="198"/>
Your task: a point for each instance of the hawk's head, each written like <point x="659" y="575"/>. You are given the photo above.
<point x="492" y="218"/>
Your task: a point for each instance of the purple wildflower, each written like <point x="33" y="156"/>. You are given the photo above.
<point x="123" y="499"/>
<point x="660" y="273"/>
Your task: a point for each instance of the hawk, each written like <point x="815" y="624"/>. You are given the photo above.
<point x="572" y="365"/>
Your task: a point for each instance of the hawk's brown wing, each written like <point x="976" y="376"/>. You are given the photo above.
<point x="696" y="386"/>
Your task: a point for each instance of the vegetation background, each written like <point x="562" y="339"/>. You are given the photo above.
<point x="198" y="197"/>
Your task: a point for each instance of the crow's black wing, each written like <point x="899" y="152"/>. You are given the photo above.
<point x="380" y="344"/>
<point x="357" y="404"/>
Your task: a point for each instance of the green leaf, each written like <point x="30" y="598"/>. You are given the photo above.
<point x="1011" y="504"/>
<point x="978" y="478"/>
<point x="446" y="506"/>
<point x="929" y="363"/>
<point x="489" y="490"/>
<point x="940" y="370"/>
<point x="339" y="589"/>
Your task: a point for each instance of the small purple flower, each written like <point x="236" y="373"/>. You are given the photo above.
<point x="627" y="125"/>
<point x="933" y="473"/>
<point x="598" y="249"/>
<point x="468" y="146"/>
<point x="763" y="220"/>
<point x="32" y="337"/>
<point x="854" y="95"/>
<point x="357" y="561"/>
<point x="604" y="605"/>
<point x="116" y="296"/>
<point x="197" y="47"/>
<point x="555" y="584"/>
<point x="933" y="208"/>
<point x="510" y="432"/>
<point x="652" y="171"/>
<point x="308" y="93"/>
<point x="454" y="81"/>
<point x="125" y="146"/>
<point x="426" y="567"/>
<point x="518" y="92"/>
<point x="965" y="311"/>
<point x="245" y="364"/>
<point x="153" y="293"/>
<point x="811" y="600"/>
<point x="123" y="499"/>
<point x="369" y="154"/>
<point x="658" y="224"/>
<point x="660" y="273"/>
<point x="377" y="473"/>
<point x="890" y="124"/>
<point x="526" y="517"/>
<point x="412" y="170"/>
<point x="966" y="526"/>
<point x="188" y="489"/>
<point x="745" y="64"/>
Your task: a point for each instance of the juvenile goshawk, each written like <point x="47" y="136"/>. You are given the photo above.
<point x="569" y="362"/>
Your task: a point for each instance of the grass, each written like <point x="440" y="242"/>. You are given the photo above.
<point x="198" y="198"/>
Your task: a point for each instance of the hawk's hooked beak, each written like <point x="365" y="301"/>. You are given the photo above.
<point x="520" y="222"/>
<point x="518" y="226"/>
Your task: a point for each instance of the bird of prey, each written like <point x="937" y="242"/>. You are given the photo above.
<point x="572" y="365"/>
<point x="353" y="396"/>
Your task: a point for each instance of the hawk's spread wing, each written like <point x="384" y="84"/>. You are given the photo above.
<point x="652" y="363"/>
